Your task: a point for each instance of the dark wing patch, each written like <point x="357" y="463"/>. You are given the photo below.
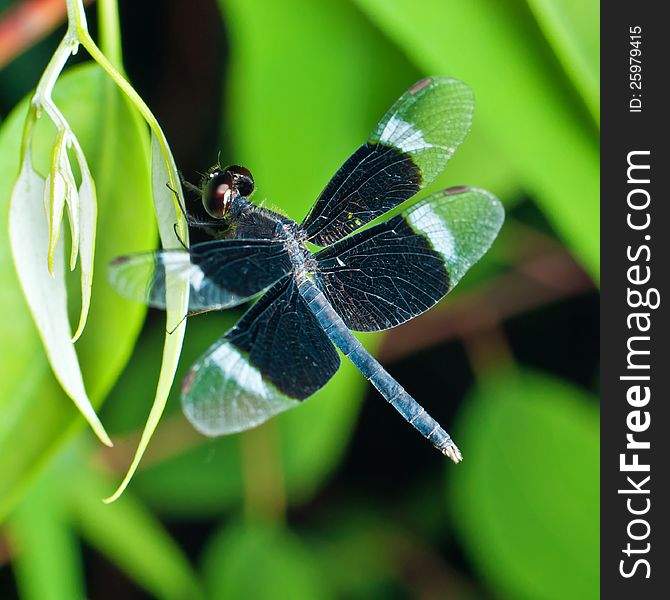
<point x="408" y="148"/>
<point x="220" y="273"/>
<point x="390" y="273"/>
<point x="285" y="342"/>
<point x="372" y="181"/>
<point x="275" y="356"/>
<point x="382" y="276"/>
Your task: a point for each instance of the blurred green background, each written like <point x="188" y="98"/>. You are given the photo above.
<point x="339" y="498"/>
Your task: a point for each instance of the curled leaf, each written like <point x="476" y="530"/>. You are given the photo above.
<point x="46" y="295"/>
<point x="163" y="174"/>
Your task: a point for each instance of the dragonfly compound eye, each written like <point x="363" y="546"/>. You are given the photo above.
<point x="243" y="180"/>
<point x="217" y="194"/>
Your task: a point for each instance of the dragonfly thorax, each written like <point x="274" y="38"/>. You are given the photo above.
<point x="301" y="258"/>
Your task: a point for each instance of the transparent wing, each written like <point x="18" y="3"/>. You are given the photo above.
<point x="274" y="357"/>
<point x="221" y="273"/>
<point x="390" y="273"/>
<point x="407" y="149"/>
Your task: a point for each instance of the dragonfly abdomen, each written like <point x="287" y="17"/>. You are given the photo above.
<point x="388" y="387"/>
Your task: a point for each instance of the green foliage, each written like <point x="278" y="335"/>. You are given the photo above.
<point x="530" y="114"/>
<point x="49" y="566"/>
<point x="66" y="502"/>
<point x="572" y="27"/>
<point x="305" y="83"/>
<point x="261" y="561"/>
<point x="130" y="536"/>
<point x="527" y="506"/>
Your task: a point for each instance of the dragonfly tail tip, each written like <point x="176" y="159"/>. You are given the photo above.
<point x="453" y="453"/>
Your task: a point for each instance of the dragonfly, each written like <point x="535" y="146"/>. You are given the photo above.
<point x="365" y="276"/>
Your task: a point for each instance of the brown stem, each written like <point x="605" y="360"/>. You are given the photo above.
<point x="264" y="494"/>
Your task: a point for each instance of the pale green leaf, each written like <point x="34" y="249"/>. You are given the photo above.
<point x="46" y="293"/>
<point x="87" y="224"/>
<point x="526" y="502"/>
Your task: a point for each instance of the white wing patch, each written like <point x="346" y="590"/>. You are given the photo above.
<point x="432" y="225"/>
<point x="403" y="135"/>
<point x="225" y="394"/>
<point x="196" y="277"/>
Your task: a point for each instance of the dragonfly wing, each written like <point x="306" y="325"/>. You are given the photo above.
<point x="394" y="271"/>
<point x="221" y="273"/>
<point x="408" y="148"/>
<point x="274" y="357"/>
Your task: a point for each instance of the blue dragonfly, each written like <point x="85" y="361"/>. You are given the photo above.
<point x="283" y="349"/>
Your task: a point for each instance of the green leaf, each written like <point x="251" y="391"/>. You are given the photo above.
<point x="47" y="563"/>
<point x="527" y="495"/>
<point x="572" y="27"/>
<point x="529" y="115"/>
<point x="35" y="415"/>
<point x="261" y="561"/>
<point x="131" y="537"/>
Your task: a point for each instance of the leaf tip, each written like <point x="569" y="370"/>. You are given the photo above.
<point x="112" y="498"/>
<point x="119" y="491"/>
<point x="73" y="258"/>
<point x="95" y="424"/>
<point x="104" y="438"/>
<point x="50" y="258"/>
<point x="83" y="317"/>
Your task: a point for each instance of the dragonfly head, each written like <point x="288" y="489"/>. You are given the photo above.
<point x="223" y="187"/>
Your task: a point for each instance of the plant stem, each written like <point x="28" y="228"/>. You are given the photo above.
<point x="110" y="32"/>
<point x="76" y="15"/>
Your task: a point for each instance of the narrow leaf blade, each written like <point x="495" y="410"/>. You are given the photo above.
<point x="163" y="171"/>
<point x="132" y="538"/>
<point x="48" y="562"/>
